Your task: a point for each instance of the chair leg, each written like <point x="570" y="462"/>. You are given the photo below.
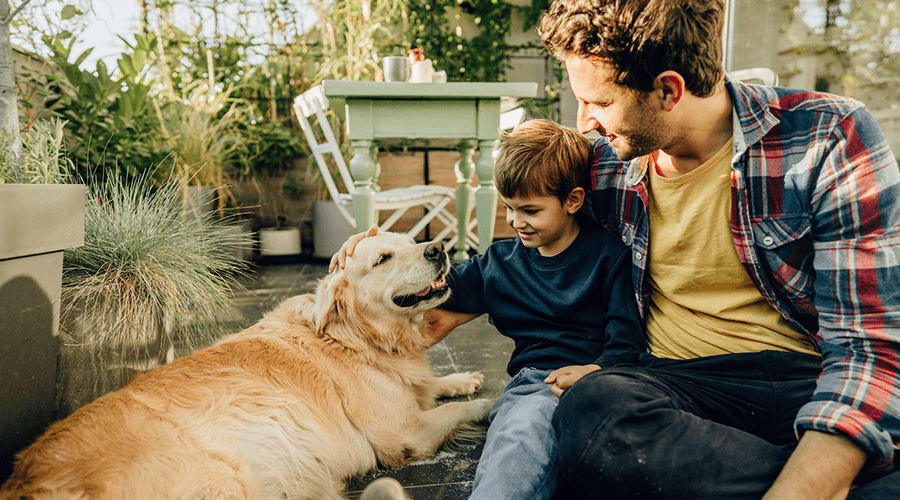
<point x="393" y="218"/>
<point x="434" y="211"/>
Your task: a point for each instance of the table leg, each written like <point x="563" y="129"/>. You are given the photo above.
<point x="485" y="195"/>
<point x="363" y="169"/>
<point x="463" y="169"/>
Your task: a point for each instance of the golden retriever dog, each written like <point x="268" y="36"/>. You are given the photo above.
<point x="323" y="387"/>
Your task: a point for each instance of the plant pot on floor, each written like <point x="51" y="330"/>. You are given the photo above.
<point x="330" y="229"/>
<point x="38" y="222"/>
<point x="279" y="241"/>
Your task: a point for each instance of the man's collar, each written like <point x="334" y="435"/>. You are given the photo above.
<point x="751" y="117"/>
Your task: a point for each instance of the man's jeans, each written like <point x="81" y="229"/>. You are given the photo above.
<point x="519" y="457"/>
<point x="719" y="427"/>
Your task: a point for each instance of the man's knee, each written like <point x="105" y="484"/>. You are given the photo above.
<point x="596" y="412"/>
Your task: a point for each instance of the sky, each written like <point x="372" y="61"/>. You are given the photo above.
<point x="107" y="20"/>
<point x="110" y="18"/>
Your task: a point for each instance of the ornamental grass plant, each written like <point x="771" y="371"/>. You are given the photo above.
<point x="41" y="157"/>
<point x="149" y="277"/>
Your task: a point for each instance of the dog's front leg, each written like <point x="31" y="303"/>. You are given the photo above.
<point x="434" y="426"/>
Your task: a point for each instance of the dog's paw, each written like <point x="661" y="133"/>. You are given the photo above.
<point x="460" y="384"/>
<point x="481" y="408"/>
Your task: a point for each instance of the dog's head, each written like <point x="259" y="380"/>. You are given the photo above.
<point x="382" y="291"/>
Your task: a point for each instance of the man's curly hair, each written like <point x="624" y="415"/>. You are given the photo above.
<point x="642" y="38"/>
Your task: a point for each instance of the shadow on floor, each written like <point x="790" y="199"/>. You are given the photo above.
<point x="475" y="346"/>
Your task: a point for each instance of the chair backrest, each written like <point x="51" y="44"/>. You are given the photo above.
<point x="313" y="102"/>
<point x="764" y="76"/>
<point x="512" y="118"/>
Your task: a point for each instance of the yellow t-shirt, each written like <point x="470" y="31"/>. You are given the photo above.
<point x="702" y="301"/>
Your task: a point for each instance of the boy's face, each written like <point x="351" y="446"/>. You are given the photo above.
<point x="543" y="222"/>
<point x="630" y="122"/>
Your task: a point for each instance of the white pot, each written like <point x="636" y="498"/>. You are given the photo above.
<point x="330" y="229"/>
<point x="279" y="241"/>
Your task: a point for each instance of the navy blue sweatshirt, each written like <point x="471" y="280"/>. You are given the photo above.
<point x="574" y="308"/>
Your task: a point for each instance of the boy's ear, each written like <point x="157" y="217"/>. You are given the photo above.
<point x="574" y="200"/>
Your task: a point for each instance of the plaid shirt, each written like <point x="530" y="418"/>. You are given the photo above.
<point x="815" y="219"/>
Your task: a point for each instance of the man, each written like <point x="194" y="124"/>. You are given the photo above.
<point x="764" y="225"/>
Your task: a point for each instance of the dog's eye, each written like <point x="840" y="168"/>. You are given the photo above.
<point x="382" y="259"/>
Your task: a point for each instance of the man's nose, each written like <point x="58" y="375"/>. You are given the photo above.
<point x="585" y="122"/>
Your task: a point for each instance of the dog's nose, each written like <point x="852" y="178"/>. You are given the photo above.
<point x="434" y="251"/>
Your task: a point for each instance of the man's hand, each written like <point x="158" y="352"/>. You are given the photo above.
<point x="338" y="259"/>
<point x="822" y="467"/>
<point x="439" y="323"/>
<point x="565" y="377"/>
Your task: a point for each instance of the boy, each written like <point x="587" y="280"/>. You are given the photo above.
<point x="561" y="290"/>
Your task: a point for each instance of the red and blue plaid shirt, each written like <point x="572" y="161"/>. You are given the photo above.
<point x="815" y="219"/>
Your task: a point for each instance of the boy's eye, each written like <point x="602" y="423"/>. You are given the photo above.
<point x="530" y="212"/>
<point x="382" y="259"/>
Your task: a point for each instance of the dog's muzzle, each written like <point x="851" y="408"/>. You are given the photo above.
<point x="435" y="254"/>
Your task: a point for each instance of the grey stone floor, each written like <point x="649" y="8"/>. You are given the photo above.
<point x="475" y="346"/>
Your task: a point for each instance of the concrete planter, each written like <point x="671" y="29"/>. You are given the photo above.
<point x="274" y="242"/>
<point x="37" y="222"/>
<point x="330" y="229"/>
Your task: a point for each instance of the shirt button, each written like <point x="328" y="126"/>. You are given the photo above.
<point x="638" y="256"/>
<point x="624" y="239"/>
<point x="768" y="240"/>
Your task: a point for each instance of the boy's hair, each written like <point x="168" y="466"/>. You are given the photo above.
<point x="540" y="157"/>
<point x="641" y="38"/>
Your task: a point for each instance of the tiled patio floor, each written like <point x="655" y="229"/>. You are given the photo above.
<point x="473" y="346"/>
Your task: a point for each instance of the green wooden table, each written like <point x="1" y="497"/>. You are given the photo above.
<point x="467" y="111"/>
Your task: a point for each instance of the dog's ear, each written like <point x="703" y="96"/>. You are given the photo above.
<point x="337" y="315"/>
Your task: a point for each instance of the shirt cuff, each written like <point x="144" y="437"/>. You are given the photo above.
<point x="838" y="418"/>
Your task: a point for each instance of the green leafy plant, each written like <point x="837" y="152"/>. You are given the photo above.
<point x="110" y="114"/>
<point x="269" y="147"/>
<point x="199" y="127"/>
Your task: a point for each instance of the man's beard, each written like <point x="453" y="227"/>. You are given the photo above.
<point x="637" y="146"/>
<point x="641" y="140"/>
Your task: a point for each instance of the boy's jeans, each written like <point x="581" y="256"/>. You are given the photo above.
<point x="519" y="457"/>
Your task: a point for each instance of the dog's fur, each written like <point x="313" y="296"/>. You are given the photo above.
<point x="323" y="387"/>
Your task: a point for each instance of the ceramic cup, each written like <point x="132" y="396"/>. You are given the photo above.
<point x="396" y="68"/>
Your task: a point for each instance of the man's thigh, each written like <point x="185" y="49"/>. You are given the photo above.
<point x="759" y="393"/>
<point x="681" y="429"/>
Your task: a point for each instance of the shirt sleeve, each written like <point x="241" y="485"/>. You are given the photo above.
<point x="856" y="243"/>
<point x="466" y="282"/>
<point x="625" y="337"/>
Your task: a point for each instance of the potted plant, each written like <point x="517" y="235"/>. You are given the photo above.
<point x="39" y="218"/>
<point x="272" y="169"/>
<point x="278" y="236"/>
<point x="147" y="281"/>
<point x="200" y="128"/>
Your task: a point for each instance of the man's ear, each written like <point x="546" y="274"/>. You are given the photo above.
<point x="575" y="200"/>
<point x="670" y="89"/>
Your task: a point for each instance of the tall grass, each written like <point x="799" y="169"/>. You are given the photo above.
<point x="41" y="159"/>
<point x="148" y="275"/>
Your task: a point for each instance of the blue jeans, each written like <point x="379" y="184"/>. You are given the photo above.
<point x="519" y="457"/>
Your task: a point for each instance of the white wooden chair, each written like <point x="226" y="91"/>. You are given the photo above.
<point x="760" y="75"/>
<point x="431" y="197"/>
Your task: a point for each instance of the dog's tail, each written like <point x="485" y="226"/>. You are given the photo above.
<point x="465" y="436"/>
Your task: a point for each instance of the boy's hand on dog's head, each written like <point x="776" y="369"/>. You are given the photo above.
<point x="565" y="377"/>
<point x="340" y="258"/>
